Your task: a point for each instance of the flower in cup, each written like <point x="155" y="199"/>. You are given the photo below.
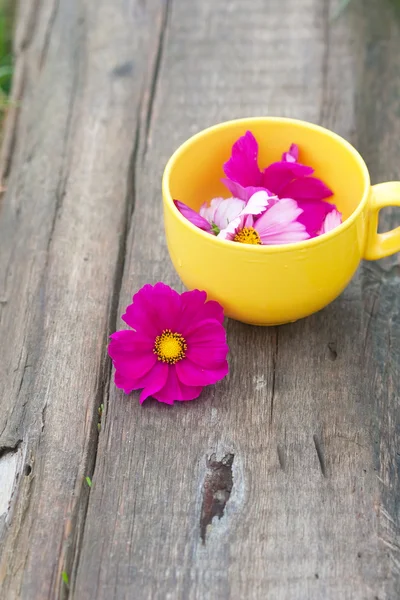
<point x="256" y="192"/>
<point x="286" y="178"/>
<point x="279" y="224"/>
<point x="221" y="211"/>
<point x="177" y="344"/>
<point x="314" y="214"/>
<point x="331" y="221"/>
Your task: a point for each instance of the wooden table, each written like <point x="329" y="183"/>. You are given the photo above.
<point x="298" y="450"/>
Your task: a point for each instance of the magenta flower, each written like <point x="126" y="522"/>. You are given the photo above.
<point x="314" y="214"/>
<point x="177" y="344"/>
<point x="286" y="178"/>
<point x="279" y="224"/>
<point x="221" y="211"/>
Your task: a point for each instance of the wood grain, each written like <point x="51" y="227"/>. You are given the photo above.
<point x="282" y="481"/>
<point x="63" y="230"/>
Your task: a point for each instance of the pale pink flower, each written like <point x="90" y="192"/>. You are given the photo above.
<point x="221" y="211"/>
<point x="279" y="224"/>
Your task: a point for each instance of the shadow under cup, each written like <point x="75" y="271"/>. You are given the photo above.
<point x="266" y="285"/>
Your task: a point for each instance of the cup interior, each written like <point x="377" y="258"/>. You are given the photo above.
<point x="196" y="169"/>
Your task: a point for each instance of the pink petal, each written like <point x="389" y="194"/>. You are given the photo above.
<point x="239" y="191"/>
<point x="124" y="382"/>
<point x="279" y="224"/>
<point x="332" y="220"/>
<point x="191" y="374"/>
<point x="207" y="345"/>
<point x="154" y="381"/>
<point x="278" y="175"/>
<point x="208" y="210"/>
<point x="154" y="308"/>
<point x="308" y="188"/>
<point x="205" y="335"/>
<point x="292" y="155"/>
<point x="192" y="216"/>
<point x="131" y="354"/>
<point x="314" y="214"/>
<point x="176" y="390"/>
<point x="227" y="211"/>
<point x="242" y="167"/>
<point x="150" y="382"/>
<point x="257" y="203"/>
<point x="195" y="307"/>
<point x="126" y="340"/>
<point x="231" y="230"/>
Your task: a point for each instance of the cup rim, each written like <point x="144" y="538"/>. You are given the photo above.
<point x="325" y="237"/>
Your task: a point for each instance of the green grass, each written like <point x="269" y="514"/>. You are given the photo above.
<point x="6" y="58"/>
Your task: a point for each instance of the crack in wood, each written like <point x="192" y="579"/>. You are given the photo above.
<point x="325" y="61"/>
<point x="332" y="351"/>
<point x="217" y="489"/>
<point x="274" y="364"/>
<point x="156" y="72"/>
<point x="10" y="449"/>
<point x="47" y="36"/>
<point x="281" y="457"/>
<point x="321" y="460"/>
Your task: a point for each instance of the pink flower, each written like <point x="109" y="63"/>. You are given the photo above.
<point x="177" y="344"/>
<point x="221" y="211"/>
<point x="279" y="224"/>
<point x="332" y="220"/>
<point x="286" y="178"/>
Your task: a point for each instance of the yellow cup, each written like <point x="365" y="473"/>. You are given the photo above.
<point x="271" y="285"/>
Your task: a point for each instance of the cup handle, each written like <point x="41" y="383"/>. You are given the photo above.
<point x="380" y="245"/>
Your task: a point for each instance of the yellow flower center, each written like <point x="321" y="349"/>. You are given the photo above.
<point x="170" y="347"/>
<point x="247" y="235"/>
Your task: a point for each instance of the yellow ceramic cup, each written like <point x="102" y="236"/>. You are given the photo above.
<point x="270" y="285"/>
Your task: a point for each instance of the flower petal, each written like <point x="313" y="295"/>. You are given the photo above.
<point x="292" y="155"/>
<point x="280" y="225"/>
<point x="132" y="355"/>
<point x="154" y="381"/>
<point x="194" y="217"/>
<point x="332" y="220"/>
<point x="124" y="382"/>
<point x="278" y="175"/>
<point x="308" y="188"/>
<point x="191" y="374"/>
<point x="208" y="210"/>
<point x="257" y="203"/>
<point x="231" y="230"/>
<point x="242" y="166"/>
<point x="206" y="343"/>
<point x="239" y="191"/>
<point x="314" y="214"/>
<point x="176" y="390"/>
<point x="154" y="308"/>
<point x="227" y="210"/>
<point x="195" y="307"/>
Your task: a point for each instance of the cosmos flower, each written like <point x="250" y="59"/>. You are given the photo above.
<point x="277" y="225"/>
<point x="177" y="344"/>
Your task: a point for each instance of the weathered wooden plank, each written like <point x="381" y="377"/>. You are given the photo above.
<point x="306" y="406"/>
<point x="82" y="69"/>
